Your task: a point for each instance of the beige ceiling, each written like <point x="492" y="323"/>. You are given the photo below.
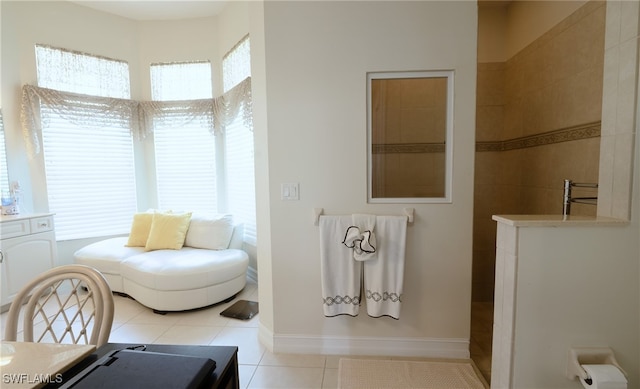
<point x="175" y="9"/>
<point x="157" y="9"/>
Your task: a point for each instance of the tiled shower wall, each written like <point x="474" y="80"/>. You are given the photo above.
<point x="538" y="123"/>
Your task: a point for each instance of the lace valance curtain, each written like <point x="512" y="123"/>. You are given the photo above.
<point x="216" y="113"/>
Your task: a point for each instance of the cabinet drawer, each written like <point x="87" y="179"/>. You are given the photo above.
<point x="14" y="228"/>
<point x="41" y="224"/>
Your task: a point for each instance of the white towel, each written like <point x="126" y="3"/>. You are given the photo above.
<point x="340" y="274"/>
<point x="384" y="275"/>
<point x="360" y="237"/>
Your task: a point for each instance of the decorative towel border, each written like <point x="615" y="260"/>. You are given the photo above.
<point x="385" y="296"/>
<point x="355" y="300"/>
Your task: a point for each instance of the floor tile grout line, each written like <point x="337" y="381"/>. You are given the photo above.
<point x="255" y="369"/>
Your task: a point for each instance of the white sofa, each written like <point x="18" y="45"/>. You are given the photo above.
<point x="173" y="280"/>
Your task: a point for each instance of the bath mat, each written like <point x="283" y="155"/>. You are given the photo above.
<point x="241" y="309"/>
<point x="397" y="374"/>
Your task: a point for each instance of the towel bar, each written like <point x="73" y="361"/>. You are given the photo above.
<point x="317" y="212"/>
<point x="568" y="199"/>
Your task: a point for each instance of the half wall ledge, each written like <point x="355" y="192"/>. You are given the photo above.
<point x="557" y="220"/>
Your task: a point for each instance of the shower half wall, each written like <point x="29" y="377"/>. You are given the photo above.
<point x="538" y="123"/>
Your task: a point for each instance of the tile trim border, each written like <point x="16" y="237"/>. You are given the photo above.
<point x="584" y="131"/>
<point x="408" y="148"/>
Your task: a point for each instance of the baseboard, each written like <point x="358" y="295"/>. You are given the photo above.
<point x="265" y="336"/>
<point x="456" y="348"/>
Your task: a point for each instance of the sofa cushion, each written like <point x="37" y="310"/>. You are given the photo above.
<point x="107" y="254"/>
<point x="209" y="232"/>
<point x="140" y="228"/>
<point x="168" y="231"/>
<point x="184" y="269"/>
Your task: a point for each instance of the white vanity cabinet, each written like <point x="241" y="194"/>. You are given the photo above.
<point x="27" y="248"/>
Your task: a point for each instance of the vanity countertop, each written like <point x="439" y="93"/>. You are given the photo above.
<point x="558" y="221"/>
<point x="22" y="216"/>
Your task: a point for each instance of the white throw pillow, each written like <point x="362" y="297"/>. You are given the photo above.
<point x="209" y="232"/>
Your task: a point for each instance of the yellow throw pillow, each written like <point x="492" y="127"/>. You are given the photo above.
<point x="168" y="231"/>
<point x="140" y="229"/>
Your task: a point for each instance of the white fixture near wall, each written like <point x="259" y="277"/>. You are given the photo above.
<point x="595" y="367"/>
<point x="290" y="191"/>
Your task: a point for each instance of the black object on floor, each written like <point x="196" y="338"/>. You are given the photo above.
<point x="241" y="309"/>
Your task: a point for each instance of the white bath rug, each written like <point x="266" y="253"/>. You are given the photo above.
<point x="397" y="374"/>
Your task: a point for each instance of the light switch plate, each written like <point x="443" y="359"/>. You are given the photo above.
<point x="290" y="191"/>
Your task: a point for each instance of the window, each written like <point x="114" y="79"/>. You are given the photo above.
<point x="185" y="149"/>
<point x="88" y="152"/>
<point x="240" y="182"/>
<point x="409" y="136"/>
<point x="83" y="113"/>
<point x="236" y="64"/>
<point x="4" y="173"/>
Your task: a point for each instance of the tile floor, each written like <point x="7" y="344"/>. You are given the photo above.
<point x="482" y="336"/>
<point x="258" y="367"/>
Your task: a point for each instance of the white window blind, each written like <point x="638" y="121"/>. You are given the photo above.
<point x="185" y="153"/>
<point x="4" y="173"/>
<point x="88" y="154"/>
<point x="239" y="149"/>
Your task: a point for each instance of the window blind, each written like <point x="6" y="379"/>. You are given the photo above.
<point x="185" y="154"/>
<point x="241" y="201"/>
<point x="4" y="171"/>
<point x="89" y="168"/>
<point x="90" y="177"/>
<point x="239" y="148"/>
<point x="186" y="169"/>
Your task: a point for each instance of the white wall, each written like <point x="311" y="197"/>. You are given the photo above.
<point x="577" y="287"/>
<point x="563" y="285"/>
<point x="317" y="56"/>
<point x="68" y="25"/>
<point x="309" y="106"/>
<point x="261" y="156"/>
